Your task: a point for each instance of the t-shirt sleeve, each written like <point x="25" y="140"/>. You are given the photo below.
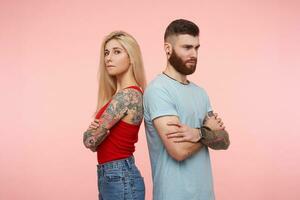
<point x="208" y="104"/>
<point x="158" y="103"/>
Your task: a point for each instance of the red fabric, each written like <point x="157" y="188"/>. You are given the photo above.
<point x="120" y="142"/>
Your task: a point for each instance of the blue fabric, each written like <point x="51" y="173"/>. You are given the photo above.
<point x="190" y="179"/>
<point x="120" y="180"/>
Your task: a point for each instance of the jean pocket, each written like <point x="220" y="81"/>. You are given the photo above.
<point x="113" y="176"/>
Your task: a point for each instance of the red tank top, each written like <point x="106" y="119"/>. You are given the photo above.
<point x="120" y="142"/>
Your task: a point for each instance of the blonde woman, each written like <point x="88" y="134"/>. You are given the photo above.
<point x="119" y="115"/>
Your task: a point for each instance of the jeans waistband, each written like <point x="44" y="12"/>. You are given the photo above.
<point x="128" y="162"/>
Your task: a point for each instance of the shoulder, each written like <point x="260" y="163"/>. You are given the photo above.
<point x="198" y="89"/>
<point x="157" y="86"/>
<point x="128" y="96"/>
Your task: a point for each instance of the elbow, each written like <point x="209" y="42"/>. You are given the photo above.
<point x="86" y="143"/>
<point x="179" y="155"/>
<point x="89" y="145"/>
<point x="179" y="158"/>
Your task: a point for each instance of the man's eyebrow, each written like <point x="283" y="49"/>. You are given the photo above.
<point x="191" y="46"/>
<point x="187" y="45"/>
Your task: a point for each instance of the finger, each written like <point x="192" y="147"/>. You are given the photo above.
<point x="90" y="126"/>
<point x="95" y="124"/>
<point x="216" y="115"/>
<point x="222" y="127"/>
<point x="178" y="140"/>
<point x="96" y="120"/>
<point x="173" y="130"/>
<point x="174" y="124"/>
<point x="172" y="133"/>
<point x="175" y="135"/>
<point x="93" y="127"/>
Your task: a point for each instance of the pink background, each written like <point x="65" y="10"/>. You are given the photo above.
<point x="248" y="63"/>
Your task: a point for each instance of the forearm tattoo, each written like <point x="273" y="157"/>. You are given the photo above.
<point x="123" y="102"/>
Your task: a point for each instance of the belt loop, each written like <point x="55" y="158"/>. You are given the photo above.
<point x="128" y="163"/>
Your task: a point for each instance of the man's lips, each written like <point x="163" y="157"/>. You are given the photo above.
<point x="192" y="61"/>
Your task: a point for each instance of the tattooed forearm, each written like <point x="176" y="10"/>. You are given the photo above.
<point x="92" y="139"/>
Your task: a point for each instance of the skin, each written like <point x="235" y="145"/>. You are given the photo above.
<point x="181" y="135"/>
<point x="180" y="139"/>
<point x="125" y="105"/>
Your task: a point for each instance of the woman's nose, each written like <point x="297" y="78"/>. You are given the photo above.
<point x="107" y="58"/>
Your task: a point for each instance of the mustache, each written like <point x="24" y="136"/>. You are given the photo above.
<point x="191" y="60"/>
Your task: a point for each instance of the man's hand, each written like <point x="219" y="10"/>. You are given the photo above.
<point x="214" y="134"/>
<point x="183" y="133"/>
<point x="214" y="122"/>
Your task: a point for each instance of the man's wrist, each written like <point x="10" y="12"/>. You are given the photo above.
<point x="200" y="134"/>
<point x="204" y="131"/>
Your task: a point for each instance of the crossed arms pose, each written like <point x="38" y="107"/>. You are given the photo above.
<point x="182" y="141"/>
<point x="126" y="105"/>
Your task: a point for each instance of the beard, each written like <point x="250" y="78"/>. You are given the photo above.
<point x="181" y="65"/>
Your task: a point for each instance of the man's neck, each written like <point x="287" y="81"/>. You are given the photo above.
<point x="171" y="72"/>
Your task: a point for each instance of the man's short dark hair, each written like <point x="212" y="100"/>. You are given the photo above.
<point x="181" y="26"/>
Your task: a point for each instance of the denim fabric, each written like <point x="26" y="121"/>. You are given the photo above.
<point x="120" y="179"/>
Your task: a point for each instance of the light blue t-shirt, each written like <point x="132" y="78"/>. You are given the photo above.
<point x="190" y="179"/>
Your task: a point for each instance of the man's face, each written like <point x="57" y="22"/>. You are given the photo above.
<point x="184" y="53"/>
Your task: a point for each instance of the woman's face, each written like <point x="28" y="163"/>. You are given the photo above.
<point x="116" y="58"/>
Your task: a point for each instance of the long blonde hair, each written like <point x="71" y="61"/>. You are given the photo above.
<point x="108" y="84"/>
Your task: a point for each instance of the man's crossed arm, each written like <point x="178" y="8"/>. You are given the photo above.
<point x="182" y="141"/>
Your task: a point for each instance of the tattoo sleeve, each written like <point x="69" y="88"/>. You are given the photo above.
<point x="122" y="102"/>
<point x="218" y="139"/>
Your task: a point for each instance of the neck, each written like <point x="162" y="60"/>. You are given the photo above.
<point x="124" y="80"/>
<point x="170" y="71"/>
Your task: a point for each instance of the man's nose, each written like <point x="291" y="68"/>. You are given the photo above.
<point x="194" y="53"/>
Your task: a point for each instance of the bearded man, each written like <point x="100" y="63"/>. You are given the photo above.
<point x="178" y="126"/>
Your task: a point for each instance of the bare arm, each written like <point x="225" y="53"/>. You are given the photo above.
<point x="214" y="135"/>
<point x="178" y="151"/>
<point x="127" y="101"/>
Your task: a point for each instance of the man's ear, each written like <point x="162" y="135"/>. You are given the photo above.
<point x="168" y="49"/>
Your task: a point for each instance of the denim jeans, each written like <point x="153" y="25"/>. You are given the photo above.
<point x="120" y="180"/>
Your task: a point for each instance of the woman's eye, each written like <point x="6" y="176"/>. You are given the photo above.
<point x="106" y="53"/>
<point x="117" y="51"/>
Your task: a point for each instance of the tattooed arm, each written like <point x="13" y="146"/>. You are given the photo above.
<point x="124" y="102"/>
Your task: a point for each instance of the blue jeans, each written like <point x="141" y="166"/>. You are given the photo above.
<point x="120" y="180"/>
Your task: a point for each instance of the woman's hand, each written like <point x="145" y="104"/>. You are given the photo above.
<point x="94" y="125"/>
